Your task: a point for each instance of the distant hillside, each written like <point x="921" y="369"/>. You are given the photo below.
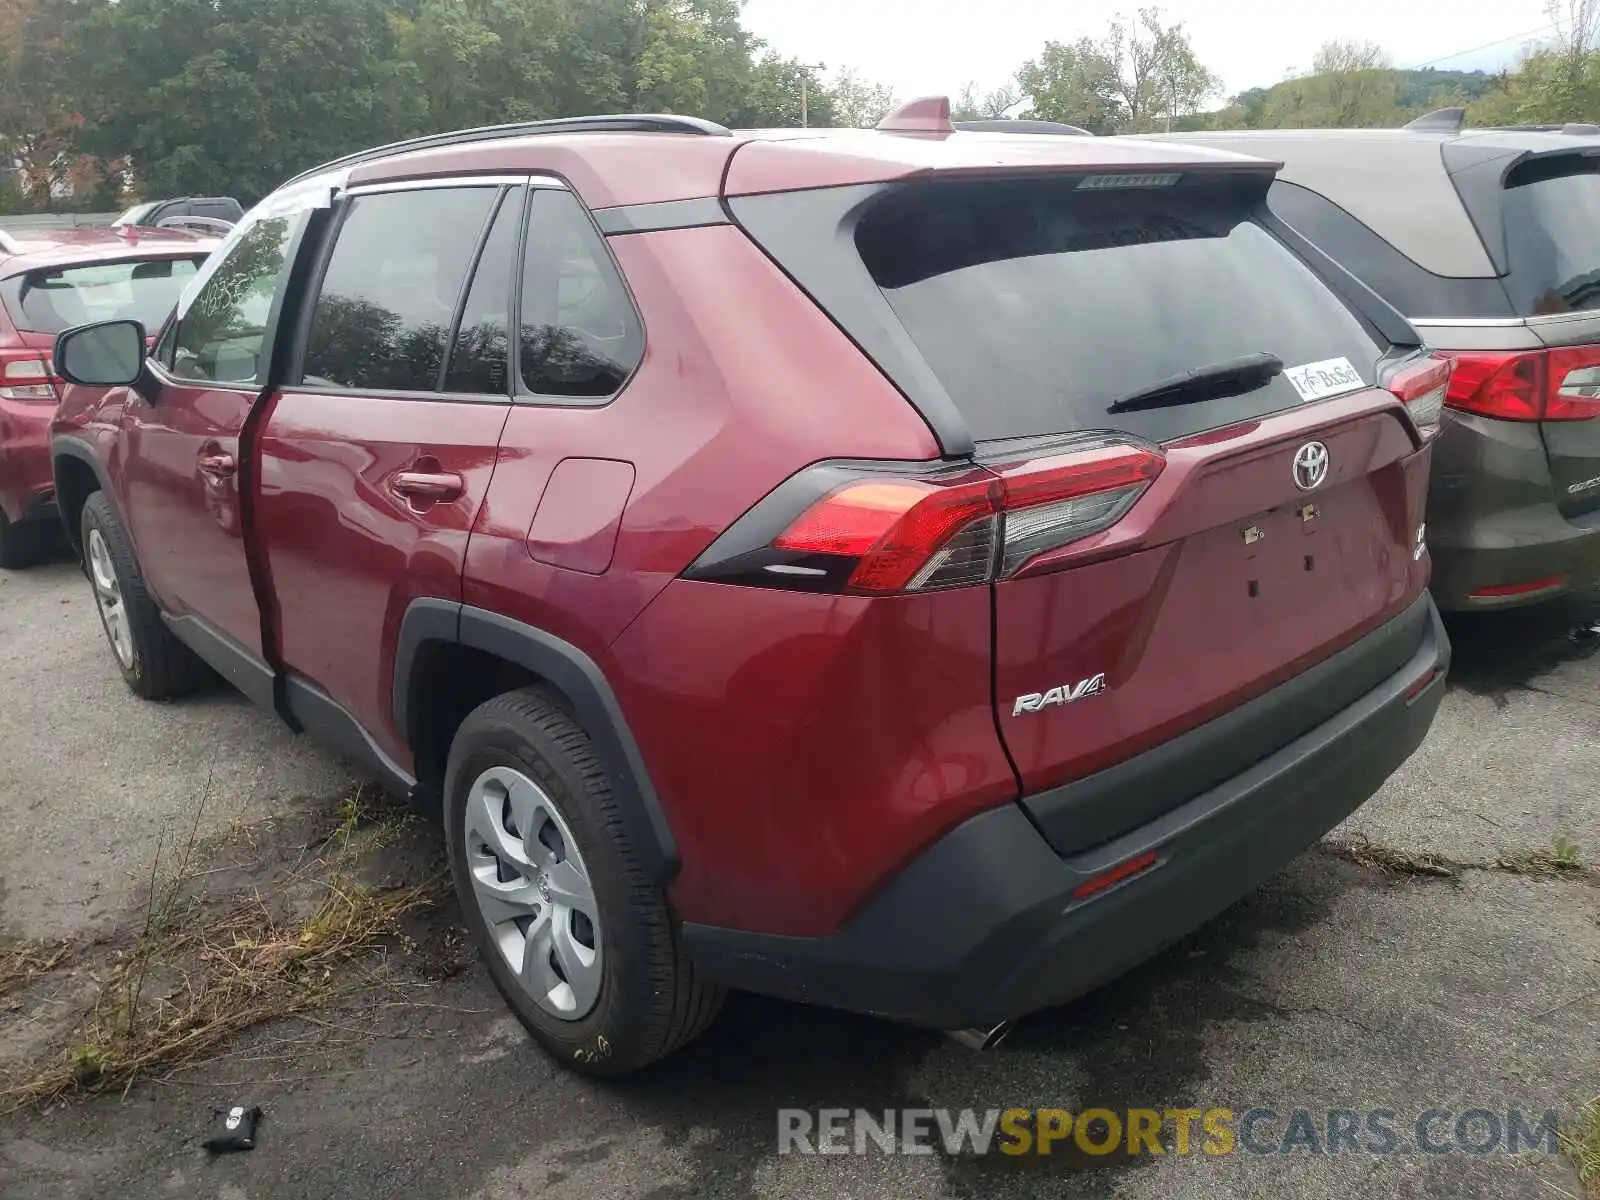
<point x="1375" y="97"/>
<point x="1430" y="87"/>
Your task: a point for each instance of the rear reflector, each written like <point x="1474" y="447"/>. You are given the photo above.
<point x="1519" y="589"/>
<point x="1415" y="692"/>
<point x="853" y="528"/>
<point x="26" y="379"/>
<point x="1116" y="875"/>
<point x="1422" y="386"/>
<point x="1536" y="385"/>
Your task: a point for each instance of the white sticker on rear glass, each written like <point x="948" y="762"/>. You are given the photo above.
<point x="1330" y="377"/>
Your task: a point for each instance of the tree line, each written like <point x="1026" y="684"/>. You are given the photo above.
<point x="233" y="96"/>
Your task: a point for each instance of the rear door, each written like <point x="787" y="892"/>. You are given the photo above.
<point x="1283" y="522"/>
<point x="374" y="464"/>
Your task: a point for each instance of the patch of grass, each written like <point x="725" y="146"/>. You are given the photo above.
<point x="22" y="962"/>
<point x="1561" y="857"/>
<point x="1391" y="861"/>
<point x="1581" y="1144"/>
<point x="201" y="972"/>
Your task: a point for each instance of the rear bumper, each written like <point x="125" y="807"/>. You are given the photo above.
<point x="1493" y="521"/>
<point x="1514" y="550"/>
<point x="983" y="925"/>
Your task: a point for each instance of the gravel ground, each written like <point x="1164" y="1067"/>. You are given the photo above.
<point x="1334" y="986"/>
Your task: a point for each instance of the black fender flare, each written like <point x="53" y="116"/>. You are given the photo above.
<point x="69" y="446"/>
<point x="572" y="672"/>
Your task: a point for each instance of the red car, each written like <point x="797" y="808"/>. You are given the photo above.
<point x="51" y="280"/>
<point x="917" y="571"/>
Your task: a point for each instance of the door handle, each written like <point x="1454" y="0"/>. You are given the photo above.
<point x="218" y="466"/>
<point x="427" y="485"/>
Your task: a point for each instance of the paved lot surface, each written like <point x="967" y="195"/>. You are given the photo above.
<point x="1335" y="986"/>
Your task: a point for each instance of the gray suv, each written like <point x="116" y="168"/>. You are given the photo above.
<point x="1489" y="240"/>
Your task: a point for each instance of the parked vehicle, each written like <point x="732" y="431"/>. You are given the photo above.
<point x="912" y="571"/>
<point x="1489" y="240"/>
<point x="51" y="280"/>
<point x="214" y="213"/>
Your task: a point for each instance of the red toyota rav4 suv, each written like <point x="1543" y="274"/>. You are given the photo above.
<point x="915" y="571"/>
<point x="51" y="280"/>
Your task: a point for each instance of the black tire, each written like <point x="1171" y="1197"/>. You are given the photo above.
<point x="21" y="543"/>
<point x="162" y="666"/>
<point x="650" y="1001"/>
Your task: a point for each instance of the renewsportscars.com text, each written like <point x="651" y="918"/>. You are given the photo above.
<point x="1152" y="1131"/>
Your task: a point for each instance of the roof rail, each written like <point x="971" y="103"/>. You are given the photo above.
<point x="1441" y="120"/>
<point x="1580" y="128"/>
<point x="616" y="123"/>
<point x="1004" y="126"/>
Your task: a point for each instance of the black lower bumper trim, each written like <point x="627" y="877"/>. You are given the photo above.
<point x="983" y="926"/>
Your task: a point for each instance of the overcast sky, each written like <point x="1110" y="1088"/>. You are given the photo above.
<point x="921" y="47"/>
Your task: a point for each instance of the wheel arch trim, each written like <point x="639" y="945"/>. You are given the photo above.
<point x="81" y="451"/>
<point x="570" y="671"/>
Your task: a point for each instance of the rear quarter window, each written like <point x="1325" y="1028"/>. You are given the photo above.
<point x="1038" y="303"/>
<point x="1551" y="209"/>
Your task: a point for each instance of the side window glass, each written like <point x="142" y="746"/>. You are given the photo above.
<point x="479" y="357"/>
<point x="166" y="343"/>
<point x="221" y="337"/>
<point x="389" y="296"/>
<point x="580" y="335"/>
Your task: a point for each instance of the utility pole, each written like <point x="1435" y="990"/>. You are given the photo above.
<point x="805" y="90"/>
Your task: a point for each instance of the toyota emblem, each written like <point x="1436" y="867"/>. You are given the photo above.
<point x="1310" y="466"/>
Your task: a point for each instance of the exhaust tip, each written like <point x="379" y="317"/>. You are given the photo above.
<point x="982" y="1037"/>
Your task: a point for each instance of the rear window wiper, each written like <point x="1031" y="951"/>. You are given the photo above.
<point x="1233" y="377"/>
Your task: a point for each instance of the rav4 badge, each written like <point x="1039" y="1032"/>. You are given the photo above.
<point x="1066" y="694"/>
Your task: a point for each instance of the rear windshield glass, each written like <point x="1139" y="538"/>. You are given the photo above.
<point x="1552" y="221"/>
<point x="55" y="298"/>
<point x="1038" y="304"/>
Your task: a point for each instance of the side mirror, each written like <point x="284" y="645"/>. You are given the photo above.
<point x="109" y="354"/>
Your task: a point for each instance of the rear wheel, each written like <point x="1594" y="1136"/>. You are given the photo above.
<point x="579" y="942"/>
<point x="154" y="664"/>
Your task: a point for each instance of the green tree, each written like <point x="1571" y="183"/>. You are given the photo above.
<point x="976" y="104"/>
<point x="1350" y="86"/>
<point x="38" y="122"/>
<point x="1142" y="75"/>
<point x="1157" y="74"/>
<point x="213" y="95"/>
<point x="859" y="103"/>
<point x="1075" y="83"/>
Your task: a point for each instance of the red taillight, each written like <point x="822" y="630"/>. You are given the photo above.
<point x="878" y="534"/>
<point x="892" y="527"/>
<point x="1053" y="501"/>
<point x="1422" y="386"/>
<point x="1535" y="385"/>
<point x="1574" y="384"/>
<point x="26" y="376"/>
